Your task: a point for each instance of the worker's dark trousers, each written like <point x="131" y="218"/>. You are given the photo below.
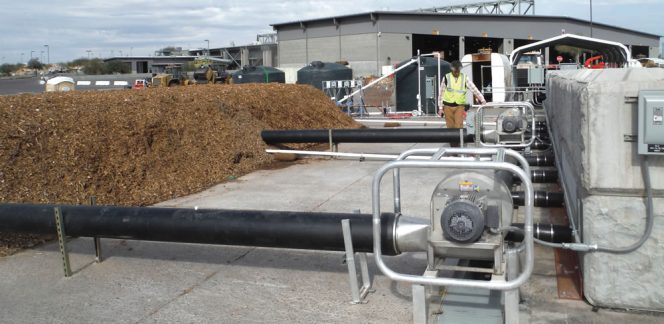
<point x="454" y="118"/>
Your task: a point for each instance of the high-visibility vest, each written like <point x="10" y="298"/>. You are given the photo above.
<point x="456" y="89"/>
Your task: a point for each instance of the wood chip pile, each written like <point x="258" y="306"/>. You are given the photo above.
<point x="138" y="148"/>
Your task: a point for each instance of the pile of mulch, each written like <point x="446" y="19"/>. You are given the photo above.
<point x="137" y="148"/>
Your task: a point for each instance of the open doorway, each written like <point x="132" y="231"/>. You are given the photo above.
<point x="639" y="52"/>
<point x="142" y="67"/>
<point x="448" y="45"/>
<point x="474" y="44"/>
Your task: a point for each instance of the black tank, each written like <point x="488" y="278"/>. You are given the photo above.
<point x="315" y="73"/>
<point x="259" y="74"/>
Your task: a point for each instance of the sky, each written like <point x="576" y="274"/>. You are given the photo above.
<point x="122" y="27"/>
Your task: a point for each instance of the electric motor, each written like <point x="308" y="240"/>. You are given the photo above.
<point x="511" y="121"/>
<point x="469" y="207"/>
<point x="509" y="124"/>
<point x="463" y="220"/>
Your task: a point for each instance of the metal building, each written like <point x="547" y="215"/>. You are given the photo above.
<point x="371" y="40"/>
<point x="251" y="55"/>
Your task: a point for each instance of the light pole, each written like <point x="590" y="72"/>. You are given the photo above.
<point x="131" y="51"/>
<point x="208" y="47"/>
<point x="31" y="54"/>
<point x="591" y="18"/>
<point x="89" y="51"/>
<point x="41" y="56"/>
<point x="48" y="54"/>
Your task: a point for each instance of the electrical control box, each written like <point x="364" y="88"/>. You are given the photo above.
<point x="651" y="122"/>
<point x="431" y="88"/>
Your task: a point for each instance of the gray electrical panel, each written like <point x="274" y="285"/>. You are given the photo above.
<point x="430" y="90"/>
<point x="536" y="75"/>
<point x="651" y="122"/>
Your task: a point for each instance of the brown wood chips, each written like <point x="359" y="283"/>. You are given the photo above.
<point x="137" y="148"/>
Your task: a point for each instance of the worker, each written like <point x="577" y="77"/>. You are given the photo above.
<point x="452" y="101"/>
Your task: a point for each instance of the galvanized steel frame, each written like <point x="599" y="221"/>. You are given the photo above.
<point x="439" y="164"/>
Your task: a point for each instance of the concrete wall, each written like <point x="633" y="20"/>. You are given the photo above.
<point x="366" y="53"/>
<point x="623" y="281"/>
<point x="395" y="48"/>
<point x="589" y="117"/>
<point x="293" y="52"/>
<point x="325" y="49"/>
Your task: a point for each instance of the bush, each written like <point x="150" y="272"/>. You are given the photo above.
<point x="94" y="66"/>
<point x="116" y="67"/>
<point x="8" y="69"/>
<point x="35" y="64"/>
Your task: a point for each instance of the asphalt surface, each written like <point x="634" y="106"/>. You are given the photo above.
<point x="14" y="86"/>
<point x="17" y="86"/>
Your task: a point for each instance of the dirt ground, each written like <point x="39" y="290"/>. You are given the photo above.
<point x="137" y="148"/>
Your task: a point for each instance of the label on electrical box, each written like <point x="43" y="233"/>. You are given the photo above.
<point x="658" y="116"/>
<point x="655" y="148"/>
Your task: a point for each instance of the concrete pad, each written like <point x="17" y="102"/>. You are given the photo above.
<point x="148" y="282"/>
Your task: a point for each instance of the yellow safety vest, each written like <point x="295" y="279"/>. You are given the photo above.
<point x="456" y="89"/>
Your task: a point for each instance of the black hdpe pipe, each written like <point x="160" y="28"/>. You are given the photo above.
<point x="274" y="229"/>
<point x="541" y="176"/>
<point x="375" y="135"/>
<point x="540" y="160"/>
<point x="542" y="199"/>
<point x="366" y="135"/>
<point x="543" y="232"/>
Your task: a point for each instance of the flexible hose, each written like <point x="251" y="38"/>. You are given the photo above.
<point x="581" y="247"/>
<point x="649" y="215"/>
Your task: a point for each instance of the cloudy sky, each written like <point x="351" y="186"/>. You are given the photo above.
<point x="113" y="27"/>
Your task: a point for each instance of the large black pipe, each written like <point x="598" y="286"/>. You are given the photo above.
<point x="540" y="160"/>
<point x="544" y="176"/>
<point x="541" y="176"/>
<point x="542" y="199"/>
<point x="367" y="135"/>
<point x="545" y="232"/>
<point x="276" y="229"/>
<point x="540" y="145"/>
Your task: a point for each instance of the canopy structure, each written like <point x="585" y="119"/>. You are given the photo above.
<point x="59" y="79"/>
<point x="612" y="52"/>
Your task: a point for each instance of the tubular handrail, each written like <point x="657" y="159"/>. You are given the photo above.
<point x="515" y="104"/>
<point x="455" y="282"/>
<point x="443" y="151"/>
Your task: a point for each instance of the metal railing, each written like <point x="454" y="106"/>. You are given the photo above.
<point x="445" y="163"/>
<point x="531" y="111"/>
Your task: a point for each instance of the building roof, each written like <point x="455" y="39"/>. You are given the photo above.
<point x="613" y="52"/>
<point x="188" y="57"/>
<point x="374" y="14"/>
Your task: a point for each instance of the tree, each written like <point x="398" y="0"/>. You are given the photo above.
<point x="78" y="62"/>
<point x="35" y="64"/>
<point x="8" y="69"/>
<point x="116" y="67"/>
<point x="94" y="66"/>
